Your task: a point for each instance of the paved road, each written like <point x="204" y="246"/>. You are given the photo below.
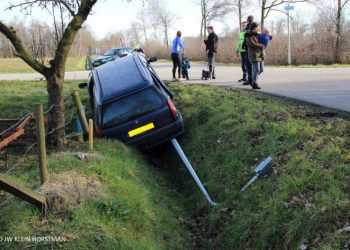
<point x="329" y="87"/>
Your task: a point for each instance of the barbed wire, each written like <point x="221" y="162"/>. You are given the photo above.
<point x="68" y="99"/>
<point x="22" y="158"/>
<point x="35" y="143"/>
<point x="17" y="123"/>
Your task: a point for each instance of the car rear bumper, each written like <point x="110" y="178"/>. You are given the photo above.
<point x="161" y="135"/>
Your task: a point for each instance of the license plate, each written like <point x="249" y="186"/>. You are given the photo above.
<point x="140" y="130"/>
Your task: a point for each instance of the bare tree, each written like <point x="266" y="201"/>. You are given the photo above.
<point x="341" y="5"/>
<point x="142" y="17"/>
<point x="211" y="10"/>
<point x="270" y="5"/>
<point x="79" y="11"/>
<point x="159" y="11"/>
<point x="338" y="9"/>
<point x="237" y="7"/>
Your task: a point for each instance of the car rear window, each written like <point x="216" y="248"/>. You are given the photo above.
<point x="131" y="107"/>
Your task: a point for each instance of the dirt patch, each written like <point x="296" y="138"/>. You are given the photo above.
<point x="69" y="189"/>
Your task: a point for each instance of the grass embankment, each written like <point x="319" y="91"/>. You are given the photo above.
<point x="17" y="65"/>
<point x="305" y="201"/>
<point x="131" y="206"/>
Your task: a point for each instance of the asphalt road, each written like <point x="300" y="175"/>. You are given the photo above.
<point x="329" y="87"/>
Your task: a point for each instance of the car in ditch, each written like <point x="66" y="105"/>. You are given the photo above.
<point x="131" y="103"/>
<point x="110" y="55"/>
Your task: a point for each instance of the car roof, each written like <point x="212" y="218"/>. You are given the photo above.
<point x="120" y="77"/>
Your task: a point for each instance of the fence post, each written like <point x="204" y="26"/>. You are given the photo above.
<point x="91" y="135"/>
<point x="40" y="129"/>
<point x="81" y="112"/>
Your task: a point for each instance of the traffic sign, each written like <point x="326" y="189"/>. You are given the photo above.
<point x="288" y="7"/>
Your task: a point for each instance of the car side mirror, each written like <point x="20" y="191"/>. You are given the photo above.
<point x="83" y="85"/>
<point x="152" y="59"/>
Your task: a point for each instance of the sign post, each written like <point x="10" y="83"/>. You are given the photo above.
<point x="288" y="8"/>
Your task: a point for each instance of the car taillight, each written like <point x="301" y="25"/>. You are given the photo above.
<point x="172" y="108"/>
<point x="99" y="131"/>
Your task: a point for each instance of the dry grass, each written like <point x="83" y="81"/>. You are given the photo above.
<point x="69" y="189"/>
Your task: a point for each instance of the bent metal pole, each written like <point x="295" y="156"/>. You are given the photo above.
<point x="191" y="170"/>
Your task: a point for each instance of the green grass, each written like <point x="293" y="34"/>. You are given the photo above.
<point x="138" y="208"/>
<point x="227" y="133"/>
<point x="136" y="211"/>
<point x="17" y="65"/>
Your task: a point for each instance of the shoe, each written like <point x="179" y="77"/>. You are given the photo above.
<point x="242" y="80"/>
<point x="213" y="77"/>
<point x="247" y="83"/>
<point x="255" y="86"/>
<point x="187" y="78"/>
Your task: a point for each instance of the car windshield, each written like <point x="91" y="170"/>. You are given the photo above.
<point x="131" y="107"/>
<point x="112" y="52"/>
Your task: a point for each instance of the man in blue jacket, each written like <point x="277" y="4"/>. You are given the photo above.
<point x="176" y="51"/>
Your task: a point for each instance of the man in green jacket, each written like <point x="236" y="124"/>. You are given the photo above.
<point x="240" y="51"/>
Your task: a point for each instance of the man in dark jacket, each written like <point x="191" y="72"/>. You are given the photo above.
<point x="211" y="48"/>
<point x="250" y="20"/>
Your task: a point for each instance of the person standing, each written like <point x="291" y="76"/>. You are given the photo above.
<point x="211" y="46"/>
<point x="240" y="52"/>
<point x="177" y="49"/>
<point x="254" y="53"/>
<point x="250" y="20"/>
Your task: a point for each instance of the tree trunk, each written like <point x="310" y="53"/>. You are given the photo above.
<point x="262" y="16"/>
<point x="337" y="50"/>
<point x="240" y="15"/>
<point x="56" y="106"/>
<point x="166" y="38"/>
<point x="201" y="32"/>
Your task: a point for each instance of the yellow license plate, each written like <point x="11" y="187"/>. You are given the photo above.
<point x="140" y="130"/>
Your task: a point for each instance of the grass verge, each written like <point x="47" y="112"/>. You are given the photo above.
<point x="17" y="65"/>
<point x="306" y="200"/>
<point x="134" y="207"/>
<point x="303" y="204"/>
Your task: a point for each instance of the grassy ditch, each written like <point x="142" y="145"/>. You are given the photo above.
<point x="306" y="200"/>
<point x="112" y="200"/>
<point x="303" y="204"/>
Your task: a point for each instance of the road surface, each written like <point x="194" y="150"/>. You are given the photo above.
<point x="329" y="87"/>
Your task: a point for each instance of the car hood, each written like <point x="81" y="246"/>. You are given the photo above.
<point x="100" y="58"/>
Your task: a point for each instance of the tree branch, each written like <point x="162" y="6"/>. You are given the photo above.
<point x="69" y="34"/>
<point x="21" y="50"/>
<point x="70" y="10"/>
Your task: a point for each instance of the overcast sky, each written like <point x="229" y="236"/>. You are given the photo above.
<point x="115" y="15"/>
